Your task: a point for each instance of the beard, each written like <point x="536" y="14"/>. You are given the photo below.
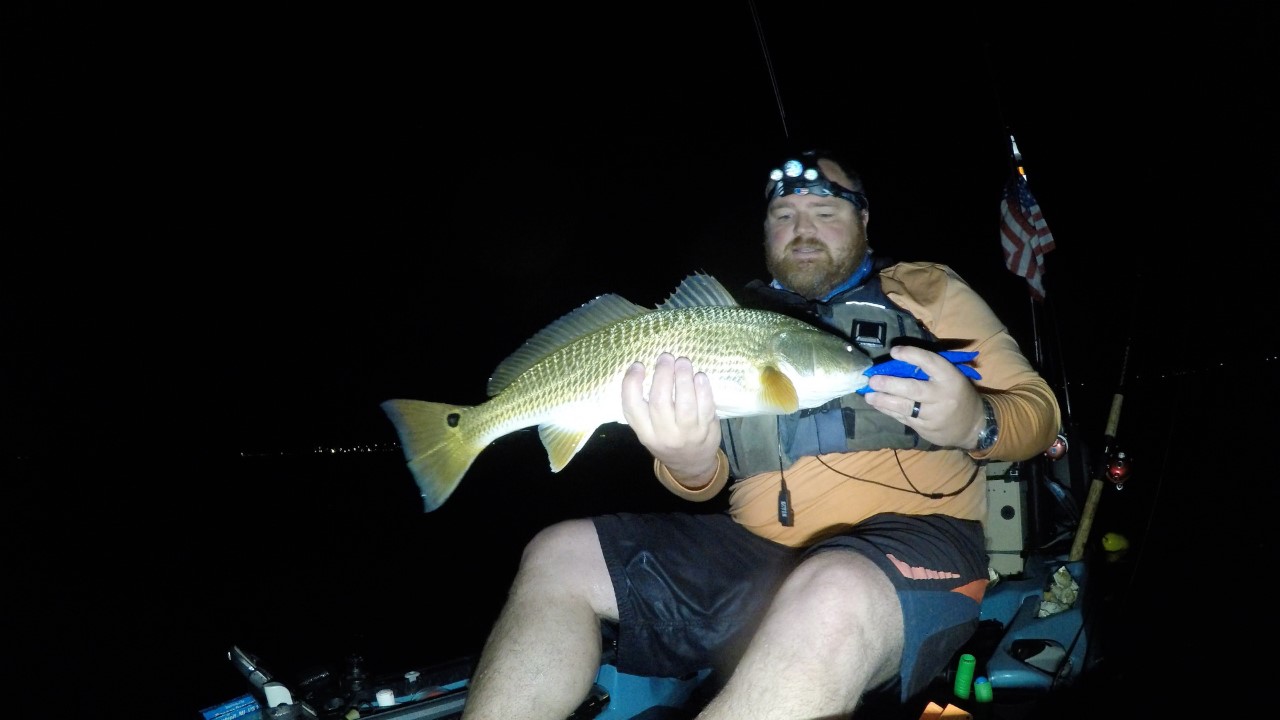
<point x="816" y="275"/>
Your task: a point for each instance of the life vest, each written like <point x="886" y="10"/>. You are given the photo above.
<point x="863" y="315"/>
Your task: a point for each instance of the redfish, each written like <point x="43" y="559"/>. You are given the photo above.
<point x="567" y="378"/>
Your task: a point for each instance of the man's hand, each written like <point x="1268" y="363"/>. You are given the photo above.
<point x="950" y="407"/>
<point x="677" y="422"/>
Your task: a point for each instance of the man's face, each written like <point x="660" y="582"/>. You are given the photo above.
<point x="813" y="243"/>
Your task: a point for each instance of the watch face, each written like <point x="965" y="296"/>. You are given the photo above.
<point x="987" y="438"/>
<point x="990" y="431"/>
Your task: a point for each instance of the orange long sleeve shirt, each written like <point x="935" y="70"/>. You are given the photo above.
<point x="835" y="490"/>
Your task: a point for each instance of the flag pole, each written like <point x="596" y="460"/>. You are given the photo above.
<point x="1016" y="166"/>
<point x="1023" y="227"/>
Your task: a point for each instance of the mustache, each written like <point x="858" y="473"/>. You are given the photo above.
<point x="804" y="243"/>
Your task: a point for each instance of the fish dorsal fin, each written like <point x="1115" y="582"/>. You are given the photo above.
<point x="776" y="390"/>
<point x="698" y="290"/>
<point x="595" y="315"/>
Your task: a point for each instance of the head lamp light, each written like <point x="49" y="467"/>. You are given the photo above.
<point x="797" y="178"/>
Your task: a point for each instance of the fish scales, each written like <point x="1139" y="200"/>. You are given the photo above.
<point x="567" y="379"/>
<point x="585" y="377"/>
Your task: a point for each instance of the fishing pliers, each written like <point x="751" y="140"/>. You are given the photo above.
<point x="898" y="368"/>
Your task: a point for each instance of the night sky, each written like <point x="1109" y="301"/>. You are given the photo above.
<point x="288" y="210"/>
<point x="238" y="229"/>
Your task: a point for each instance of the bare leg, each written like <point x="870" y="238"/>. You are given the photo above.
<point x="544" y="651"/>
<point x="833" y="631"/>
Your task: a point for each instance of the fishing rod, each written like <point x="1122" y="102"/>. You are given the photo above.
<point x="1115" y="465"/>
<point x="768" y="63"/>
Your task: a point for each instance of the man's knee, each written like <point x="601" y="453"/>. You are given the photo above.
<point x="850" y="596"/>
<point x="566" y="558"/>
<point x="847" y="611"/>
<point x="565" y="542"/>
<point x="840" y="579"/>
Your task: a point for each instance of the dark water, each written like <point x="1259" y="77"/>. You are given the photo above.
<point x="130" y="580"/>
<point x="137" y="582"/>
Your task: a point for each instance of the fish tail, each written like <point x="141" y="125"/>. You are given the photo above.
<point x="438" y="451"/>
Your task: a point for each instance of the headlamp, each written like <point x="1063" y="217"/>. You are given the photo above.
<point x="796" y="178"/>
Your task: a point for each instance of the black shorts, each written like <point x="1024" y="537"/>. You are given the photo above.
<point x="692" y="588"/>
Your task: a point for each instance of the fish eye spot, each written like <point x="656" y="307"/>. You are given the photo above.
<point x="452" y="419"/>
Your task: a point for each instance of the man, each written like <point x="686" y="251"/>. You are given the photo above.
<point x="852" y="555"/>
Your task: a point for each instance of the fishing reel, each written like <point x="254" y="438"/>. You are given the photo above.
<point x="1058" y="449"/>
<point x="1118" y="467"/>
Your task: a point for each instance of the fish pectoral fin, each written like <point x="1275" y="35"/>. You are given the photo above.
<point x="777" y="391"/>
<point x="562" y="443"/>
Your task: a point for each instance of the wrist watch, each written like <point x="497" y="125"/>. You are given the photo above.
<point x="990" y="428"/>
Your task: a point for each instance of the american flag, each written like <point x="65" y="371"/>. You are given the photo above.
<point x="1024" y="235"/>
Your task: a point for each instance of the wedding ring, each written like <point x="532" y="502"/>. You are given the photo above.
<point x="915" y="409"/>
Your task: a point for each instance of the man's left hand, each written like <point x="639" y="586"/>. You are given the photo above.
<point x="950" y="409"/>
